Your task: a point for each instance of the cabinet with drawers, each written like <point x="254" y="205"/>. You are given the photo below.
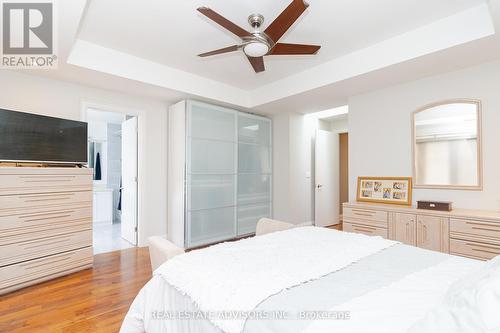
<point x="365" y="220"/>
<point x="45" y="224"/>
<point x="468" y="233"/>
<point x="475" y="238"/>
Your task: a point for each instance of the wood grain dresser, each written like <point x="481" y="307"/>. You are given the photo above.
<point x="468" y="233"/>
<point x="45" y="224"/>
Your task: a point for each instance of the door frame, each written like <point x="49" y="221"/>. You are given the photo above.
<point x="85" y="105"/>
<point x="339" y="132"/>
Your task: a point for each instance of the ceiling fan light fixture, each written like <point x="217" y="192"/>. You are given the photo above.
<point x="259" y="43"/>
<point x="256" y="49"/>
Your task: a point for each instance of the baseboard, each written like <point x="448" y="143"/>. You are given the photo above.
<point x="306" y="224"/>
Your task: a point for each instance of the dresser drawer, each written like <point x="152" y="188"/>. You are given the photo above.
<point x="37" y="248"/>
<point x="364" y="229"/>
<point x="30" y="272"/>
<point x="461" y="228"/>
<point x="474" y="250"/>
<point x="44" y="183"/>
<point x="28" y="224"/>
<point x="12" y="203"/>
<point x="376" y="216"/>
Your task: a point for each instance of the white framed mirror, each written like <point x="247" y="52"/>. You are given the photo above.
<point x="447" y="145"/>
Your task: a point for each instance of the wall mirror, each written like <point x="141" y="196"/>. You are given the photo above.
<point x="447" y="145"/>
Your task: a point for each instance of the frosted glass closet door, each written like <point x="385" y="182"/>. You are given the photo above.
<point x="211" y="174"/>
<point x="254" y="171"/>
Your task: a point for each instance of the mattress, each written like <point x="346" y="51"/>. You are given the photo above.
<point x="384" y="292"/>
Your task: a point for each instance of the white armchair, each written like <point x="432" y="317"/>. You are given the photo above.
<point x="161" y="250"/>
<point x="266" y="226"/>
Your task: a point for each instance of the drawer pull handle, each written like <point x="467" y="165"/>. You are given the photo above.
<point x="364" y="230"/>
<point x="486" y="251"/>
<point x="365" y="227"/>
<point x="46" y="214"/>
<point x="364" y="211"/>
<point x="47" y="218"/>
<point x="495" y="225"/>
<point x="485" y="229"/>
<point x="47" y="195"/>
<point x="492" y="247"/>
<point x="45" y="263"/>
<point x="58" y="241"/>
<point x="47" y="180"/>
<point x="362" y="214"/>
<point x="47" y="176"/>
<point x="44" y="179"/>
<point x="48" y="199"/>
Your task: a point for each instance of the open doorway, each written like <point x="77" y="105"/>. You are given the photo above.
<point x="343" y="172"/>
<point x="113" y="155"/>
<point x="331" y="167"/>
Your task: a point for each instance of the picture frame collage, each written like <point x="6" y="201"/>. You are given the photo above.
<point x="391" y="190"/>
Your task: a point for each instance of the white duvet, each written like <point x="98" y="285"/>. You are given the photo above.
<point x="238" y="276"/>
<point x="395" y="308"/>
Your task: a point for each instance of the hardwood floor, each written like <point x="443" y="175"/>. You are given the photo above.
<point x="94" y="300"/>
<point x="336" y="227"/>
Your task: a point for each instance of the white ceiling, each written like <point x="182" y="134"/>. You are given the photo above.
<point x="148" y="48"/>
<point x="173" y="33"/>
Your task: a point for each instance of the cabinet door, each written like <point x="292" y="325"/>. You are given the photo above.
<point x="254" y="171"/>
<point x="208" y="226"/>
<point x="253" y="189"/>
<point x="212" y="191"/>
<point x="211" y="122"/>
<point x="249" y="215"/>
<point x="433" y="233"/>
<point x="253" y="129"/>
<point x="402" y="228"/>
<point x="211" y="164"/>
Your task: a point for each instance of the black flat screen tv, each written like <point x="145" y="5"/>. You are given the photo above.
<point x="26" y="137"/>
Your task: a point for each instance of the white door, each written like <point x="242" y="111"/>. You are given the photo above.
<point x="327" y="189"/>
<point x="129" y="180"/>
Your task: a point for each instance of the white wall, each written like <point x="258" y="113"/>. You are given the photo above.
<point x="292" y="168"/>
<point x="301" y="173"/>
<point x="39" y="95"/>
<point x="339" y="125"/>
<point x="281" y="152"/>
<point x="380" y="131"/>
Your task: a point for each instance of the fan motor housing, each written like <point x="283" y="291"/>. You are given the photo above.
<point x="256" y="20"/>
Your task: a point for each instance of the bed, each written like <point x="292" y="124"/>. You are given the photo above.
<point x="312" y="279"/>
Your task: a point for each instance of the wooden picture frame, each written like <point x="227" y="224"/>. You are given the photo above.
<point x="387" y="190"/>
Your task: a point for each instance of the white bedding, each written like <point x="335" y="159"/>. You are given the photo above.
<point x="395" y="308"/>
<point x="410" y="289"/>
<point x="238" y="276"/>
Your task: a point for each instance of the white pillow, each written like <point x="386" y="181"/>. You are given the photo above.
<point x="471" y="305"/>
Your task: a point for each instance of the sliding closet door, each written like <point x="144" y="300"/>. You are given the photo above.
<point x="254" y="171"/>
<point x="211" y="174"/>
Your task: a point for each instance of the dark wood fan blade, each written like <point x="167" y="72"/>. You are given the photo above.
<point x="220" y="51"/>
<point x="285" y="20"/>
<point x="222" y="21"/>
<point x="291" y="49"/>
<point x="257" y="64"/>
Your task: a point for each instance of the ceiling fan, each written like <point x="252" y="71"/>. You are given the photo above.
<point x="257" y="44"/>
